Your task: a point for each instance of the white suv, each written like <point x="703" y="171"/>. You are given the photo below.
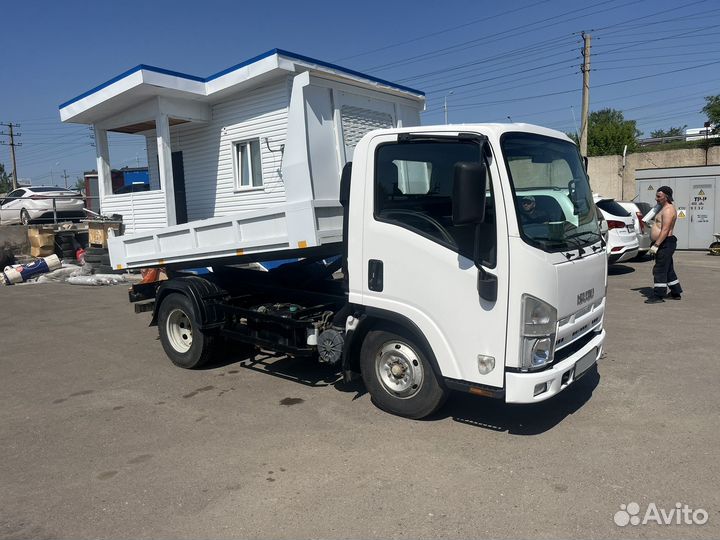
<point x="622" y="242"/>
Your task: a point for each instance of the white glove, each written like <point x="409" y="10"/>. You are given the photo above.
<point x="653" y="250"/>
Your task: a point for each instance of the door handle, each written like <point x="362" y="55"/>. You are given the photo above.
<point x="375" y="275"/>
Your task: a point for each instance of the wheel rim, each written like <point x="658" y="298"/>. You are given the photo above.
<point x="24" y="217"/>
<point x="179" y="330"/>
<point x="399" y="369"/>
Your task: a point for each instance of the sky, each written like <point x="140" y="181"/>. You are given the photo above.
<point x="654" y="60"/>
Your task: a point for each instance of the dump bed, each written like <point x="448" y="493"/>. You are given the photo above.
<point x="270" y="233"/>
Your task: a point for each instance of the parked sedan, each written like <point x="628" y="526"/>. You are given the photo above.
<point x="638" y="210"/>
<point x="622" y="242"/>
<point x="29" y="204"/>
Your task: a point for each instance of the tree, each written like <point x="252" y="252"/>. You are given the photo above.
<point x="712" y="110"/>
<point x="79" y="185"/>
<point x="670" y="132"/>
<point x="609" y="132"/>
<point x="5" y="181"/>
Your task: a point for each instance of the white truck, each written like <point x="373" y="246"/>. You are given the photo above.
<point x="467" y="258"/>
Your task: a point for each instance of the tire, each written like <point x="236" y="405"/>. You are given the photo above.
<point x="103" y="269"/>
<point x="24" y="217"/>
<point x="398" y="375"/>
<point x="714" y="248"/>
<point x="184" y="343"/>
<point x="105" y="260"/>
<point x="95" y="251"/>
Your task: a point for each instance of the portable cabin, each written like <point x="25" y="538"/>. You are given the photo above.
<point x="274" y="130"/>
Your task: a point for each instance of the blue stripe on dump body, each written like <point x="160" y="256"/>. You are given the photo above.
<point x="236" y="67"/>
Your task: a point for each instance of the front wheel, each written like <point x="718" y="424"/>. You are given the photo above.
<point x="715" y="248"/>
<point x="185" y="344"/>
<point x="24" y="217"/>
<point x="398" y="375"/>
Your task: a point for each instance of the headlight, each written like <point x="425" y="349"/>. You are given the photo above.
<point x="538" y="333"/>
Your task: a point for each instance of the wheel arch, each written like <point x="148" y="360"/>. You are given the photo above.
<point x="200" y="292"/>
<point x="380" y="319"/>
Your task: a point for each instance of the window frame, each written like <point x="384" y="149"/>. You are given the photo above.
<point x="238" y="164"/>
<point x="454" y="248"/>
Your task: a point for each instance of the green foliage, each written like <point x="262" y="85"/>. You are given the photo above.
<point x="678" y="131"/>
<point x="5" y="180"/>
<point x="712" y="110"/>
<point x="609" y="132"/>
<point x="678" y="145"/>
<point x="79" y="185"/>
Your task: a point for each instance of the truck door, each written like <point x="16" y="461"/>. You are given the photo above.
<point x="417" y="264"/>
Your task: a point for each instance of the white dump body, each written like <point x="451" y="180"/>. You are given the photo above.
<point x="278" y="229"/>
<point x="326" y="118"/>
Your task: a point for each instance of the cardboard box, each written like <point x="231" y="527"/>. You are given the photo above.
<point x="98" y="231"/>
<point x="41" y="251"/>
<point x="41" y="238"/>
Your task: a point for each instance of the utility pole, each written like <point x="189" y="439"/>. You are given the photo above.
<point x="451" y="92"/>
<point x="65" y="176"/>
<point x="585" y="94"/>
<point x="12" y="144"/>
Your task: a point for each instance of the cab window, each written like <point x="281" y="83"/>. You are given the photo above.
<point x="413" y="189"/>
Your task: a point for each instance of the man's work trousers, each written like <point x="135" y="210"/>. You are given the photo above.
<point x="663" y="272"/>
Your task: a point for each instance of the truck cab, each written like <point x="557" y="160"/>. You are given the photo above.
<point x="462" y="280"/>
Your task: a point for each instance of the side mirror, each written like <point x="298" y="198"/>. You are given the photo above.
<point x="468" y="201"/>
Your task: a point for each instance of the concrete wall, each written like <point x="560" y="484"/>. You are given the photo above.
<point x="14" y="238"/>
<point x="609" y="178"/>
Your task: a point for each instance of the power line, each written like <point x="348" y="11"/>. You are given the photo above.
<point x="489" y="39"/>
<point x="433" y="34"/>
<point x="644" y="17"/>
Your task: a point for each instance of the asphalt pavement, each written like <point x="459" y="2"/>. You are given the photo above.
<point x="102" y="437"/>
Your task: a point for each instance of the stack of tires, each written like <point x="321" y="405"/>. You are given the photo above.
<point x="65" y="246"/>
<point x="99" y="258"/>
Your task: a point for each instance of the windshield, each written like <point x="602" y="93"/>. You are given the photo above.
<point x="552" y="194"/>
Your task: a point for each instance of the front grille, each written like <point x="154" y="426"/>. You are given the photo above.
<point x="575" y="346"/>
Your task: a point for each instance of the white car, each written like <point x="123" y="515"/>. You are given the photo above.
<point x="622" y="242"/>
<point x="638" y="210"/>
<point x="28" y="204"/>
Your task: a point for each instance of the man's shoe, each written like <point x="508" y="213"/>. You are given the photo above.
<point x="675" y="296"/>
<point x="654" y="300"/>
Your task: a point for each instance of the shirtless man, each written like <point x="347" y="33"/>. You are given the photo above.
<point x="663" y="247"/>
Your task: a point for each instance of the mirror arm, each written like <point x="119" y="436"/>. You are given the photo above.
<point x="487" y="282"/>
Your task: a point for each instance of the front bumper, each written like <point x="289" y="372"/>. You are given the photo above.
<point x="522" y="387"/>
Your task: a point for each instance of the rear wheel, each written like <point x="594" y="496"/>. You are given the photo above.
<point x="398" y="375"/>
<point x="185" y="344"/>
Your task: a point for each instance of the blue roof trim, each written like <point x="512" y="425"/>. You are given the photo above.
<point x="236" y="67"/>
<point x="128" y="73"/>
<point x="350" y="71"/>
<point x="241" y="65"/>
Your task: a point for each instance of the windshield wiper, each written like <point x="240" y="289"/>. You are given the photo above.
<point x="576" y="244"/>
<point x="547" y="239"/>
<point x="594" y="234"/>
